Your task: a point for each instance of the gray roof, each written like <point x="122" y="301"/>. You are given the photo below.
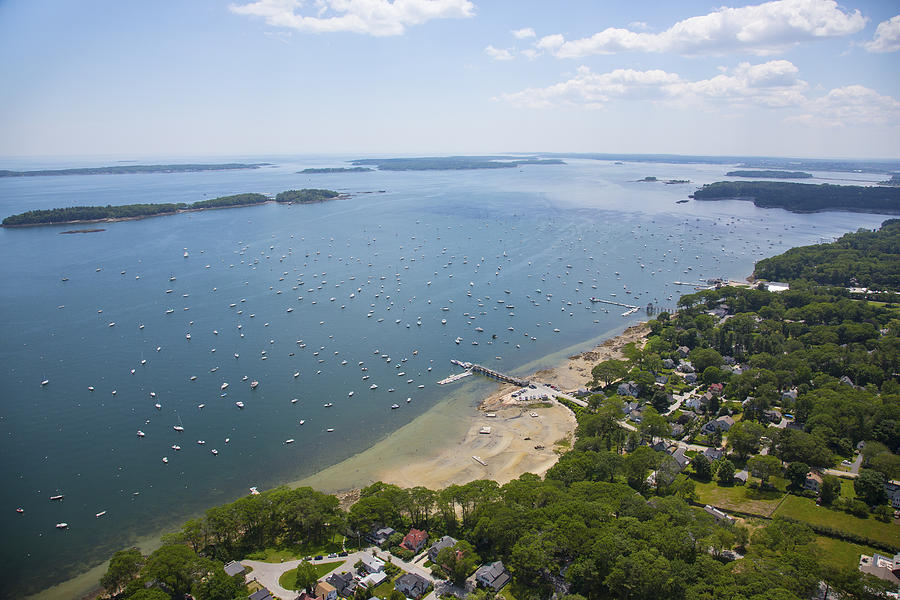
<point x="234" y="568"/>
<point x="493" y="574"/>
<point x="261" y="594"/>
<point x="444" y="542"/>
<point x="412" y="582"/>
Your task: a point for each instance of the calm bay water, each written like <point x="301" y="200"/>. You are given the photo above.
<point x="314" y="290"/>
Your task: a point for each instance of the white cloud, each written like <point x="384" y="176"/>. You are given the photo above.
<point x="758" y="29"/>
<point x="551" y="42"/>
<point x="373" y="17"/>
<point x="771" y="84"/>
<point x="499" y="53"/>
<point x="887" y="37"/>
<point x="525" y="32"/>
<point x="851" y="105"/>
<point x="639" y="25"/>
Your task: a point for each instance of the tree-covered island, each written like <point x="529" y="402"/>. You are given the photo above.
<point x="805" y="197"/>
<point x="80" y="214"/>
<point x="453" y="163"/>
<point x="318" y="170"/>
<point x="134" y="169"/>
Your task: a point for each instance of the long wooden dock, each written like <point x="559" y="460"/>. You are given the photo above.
<point x="487" y="372"/>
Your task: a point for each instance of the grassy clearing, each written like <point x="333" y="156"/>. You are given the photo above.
<point x="740" y="498"/>
<point x="281" y="554"/>
<point x="804" y="509"/>
<point x="838" y="554"/>
<point x="288" y="579"/>
<point x="847" y="489"/>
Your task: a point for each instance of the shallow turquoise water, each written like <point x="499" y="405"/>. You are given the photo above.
<point x="541" y="239"/>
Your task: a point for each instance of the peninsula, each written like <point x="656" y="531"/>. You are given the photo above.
<point x="454" y="163"/>
<point x="93" y="214"/>
<point x="134" y="169"/>
<point x="771" y="174"/>
<point x="805" y="197"/>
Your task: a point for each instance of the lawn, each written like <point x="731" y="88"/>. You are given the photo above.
<point x="281" y="554"/>
<point x="384" y="590"/>
<point x="288" y="578"/>
<point x="739" y="497"/>
<point x="838" y="554"/>
<point x="847" y="489"/>
<point x="804" y="509"/>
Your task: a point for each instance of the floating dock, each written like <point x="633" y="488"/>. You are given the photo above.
<point x="622" y="304"/>
<point x="453" y="378"/>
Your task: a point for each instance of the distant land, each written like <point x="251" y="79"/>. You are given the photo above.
<point x="453" y="163"/>
<point x="651" y="179"/>
<point x="133" y="169"/>
<point x="805" y="197"/>
<point x="336" y="170"/>
<point x="771" y="174"/>
<point x="894" y="180"/>
<point x="746" y="162"/>
<point x="93" y="214"/>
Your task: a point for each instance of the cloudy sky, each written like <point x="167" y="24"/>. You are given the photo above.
<point x="239" y="77"/>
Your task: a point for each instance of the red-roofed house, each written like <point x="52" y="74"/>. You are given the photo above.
<point x="414" y="540"/>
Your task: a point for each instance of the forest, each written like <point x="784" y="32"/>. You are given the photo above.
<point x="862" y="259"/>
<point x="305" y="196"/>
<point x="805" y="197"/>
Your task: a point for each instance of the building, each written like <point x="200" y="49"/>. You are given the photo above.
<point x="777" y="286"/>
<point x="720" y="516"/>
<point x="892" y="489"/>
<point x="380" y="535"/>
<point x="261" y="594"/>
<point x="713" y="454"/>
<point x="444" y="542"/>
<point x="720" y="424"/>
<point x="492" y="576"/>
<point x="881" y="567"/>
<point x="416" y="538"/>
<point x="344" y="583"/>
<point x="740" y="477"/>
<point x="372" y="564"/>
<point x="681" y="458"/>
<point x="629" y="389"/>
<point x="813" y="482"/>
<point x="412" y="585"/>
<point x="326" y="591"/>
<point x="373" y="579"/>
<point x="234" y="568"/>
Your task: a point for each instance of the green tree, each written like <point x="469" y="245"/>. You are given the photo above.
<point x="174" y="566"/>
<point x="831" y="489"/>
<point x="153" y="593"/>
<point x="796" y="474"/>
<point x="764" y="466"/>
<point x="218" y="586"/>
<point x="725" y="472"/>
<point x="306" y="577"/>
<point x="609" y="371"/>
<point x="744" y="437"/>
<point x="653" y="425"/>
<point x="701" y="358"/>
<point x="869" y="487"/>
<point x="702" y="468"/>
<point x="458" y="561"/>
<point x="123" y="567"/>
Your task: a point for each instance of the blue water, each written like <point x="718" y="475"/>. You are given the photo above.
<point x="366" y="278"/>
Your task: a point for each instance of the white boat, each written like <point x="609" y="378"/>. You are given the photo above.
<point x="393" y="406"/>
<point x="100" y="514"/>
<point x="253" y="385"/>
<point x="329" y="404"/>
<point x="45" y="382"/>
<point x="224" y="385"/>
<point x="140" y="433"/>
<point x="297" y="374"/>
<point x="302" y="421"/>
<point x="57" y="497"/>
<point x="176" y="447"/>
<point x="350" y="394"/>
<point x="290" y="441"/>
<point x="373" y="387"/>
<point x="62" y="525"/>
<point x="165" y="459"/>
<point x="158" y="406"/>
<point x="215" y="452"/>
<point x="177" y="427"/>
<point x="201" y="442"/>
<point x="330" y="429"/>
<point x="239" y="404"/>
<point x="293" y="401"/>
<point x="187" y="336"/>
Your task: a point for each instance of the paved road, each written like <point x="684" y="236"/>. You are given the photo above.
<point x="268" y="573"/>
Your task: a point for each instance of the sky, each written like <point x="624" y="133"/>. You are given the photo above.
<point x="805" y="78"/>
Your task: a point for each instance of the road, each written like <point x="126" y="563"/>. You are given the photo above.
<point x="268" y="574"/>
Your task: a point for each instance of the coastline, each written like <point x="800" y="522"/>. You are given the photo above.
<point x="435" y="449"/>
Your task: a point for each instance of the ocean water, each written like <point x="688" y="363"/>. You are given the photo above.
<point x="328" y="291"/>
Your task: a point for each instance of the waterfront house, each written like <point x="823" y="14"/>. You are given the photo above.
<point x="444" y="542"/>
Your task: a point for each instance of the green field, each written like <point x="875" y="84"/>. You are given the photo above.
<point x="838" y="554"/>
<point x="804" y="509"/>
<point x="288" y="579"/>
<point x="740" y="498"/>
<point x="283" y="553"/>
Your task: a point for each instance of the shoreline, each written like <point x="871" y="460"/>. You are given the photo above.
<point x="435" y="449"/>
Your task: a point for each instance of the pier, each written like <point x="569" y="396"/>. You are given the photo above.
<point x="474" y="368"/>
<point x="453" y="378"/>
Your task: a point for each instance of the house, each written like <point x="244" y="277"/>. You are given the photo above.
<point x="668" y="363"/>
<point x="492" y="576"/>
<point x="326" y="591"/>
<point x="444" y="542"/>
<point x="713" y="454"/>
<point x="728" y="360"/>
<point x="261" y="594"/>
<point x="304" y="596"/>
<point x="662" y="379"/>
<point x="379" y="536"/>
<point x="627" y="407"/>
<point x="660" y="446"/>
<point x="716" y="389"/>
<point x="629" y="389"/>
<point x="720" y="424"/>
<point x="412" y="585"/>
<point x="773" y="416"/>
<point x="720" y="516"/>
<point x="695" y="403"/>
<point x="677" y="431"/>
<point x="740" y="477"/>
<point x="892" y="489"/>
<point x="791" y="394"/>
<point x="777" y="286"/>
<point x="414" y="540"/>
<point x="685" y="417"/>
<point x="685" y="366"/>
<point x="637" y="415"/>
<point x="690" y="378"/>
<point x="683" y="351"/>
<point x="234" y="568"/>
<point x="813" y="482"/>
<point x="882" y="567"/>
<point x="373" y="579"/>
<point x="344" y="583"/>
<point x="681" y="458"/>
<point x="372" y="564"/>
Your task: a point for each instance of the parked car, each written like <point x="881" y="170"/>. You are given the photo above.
<point x="319" y="557"/>
<point x="344" y="553"/>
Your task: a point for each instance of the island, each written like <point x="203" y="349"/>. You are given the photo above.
<point x="893" y="181"/>
<point x="134" y="169"/>
<point x="652" y="179"/>
<point x="313" y="171"/>
<point x="805" y="197"/>
<point x="771" y="174"/>
<point x="93" y="214"/>
<point x="453" y="163"/>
